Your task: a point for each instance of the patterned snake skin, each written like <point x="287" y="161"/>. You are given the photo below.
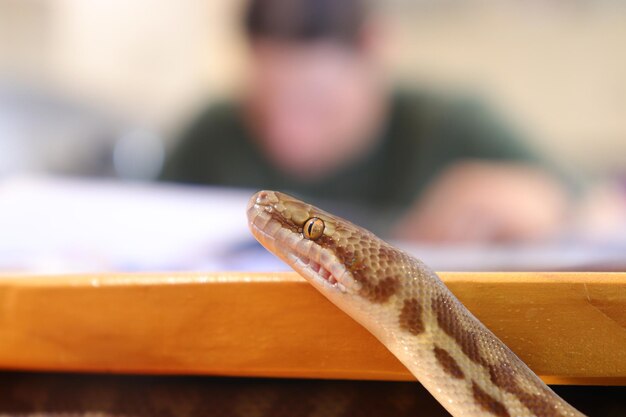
<point x="407" y="307"/>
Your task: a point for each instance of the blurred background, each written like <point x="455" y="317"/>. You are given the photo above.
<point x="109" y="89"/>
<point x="86" y="75"/>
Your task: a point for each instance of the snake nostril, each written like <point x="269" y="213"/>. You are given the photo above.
<point x="262" y="197"/>
<point x="266" y="198"/>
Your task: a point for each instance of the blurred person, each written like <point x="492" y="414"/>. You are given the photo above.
<point x="319" y="118"/>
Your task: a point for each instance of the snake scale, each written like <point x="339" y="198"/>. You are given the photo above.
<point x="407" y="307"/>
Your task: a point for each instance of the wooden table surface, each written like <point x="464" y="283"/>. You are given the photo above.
<point x="569" y="327"/>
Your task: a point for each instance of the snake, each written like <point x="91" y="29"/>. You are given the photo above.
<point x="407" y="307"/>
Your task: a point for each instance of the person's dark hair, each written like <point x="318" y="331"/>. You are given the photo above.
<point x="305" y="20"/>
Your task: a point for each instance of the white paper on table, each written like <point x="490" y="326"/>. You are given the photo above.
<point x="63" y="225"/>
<point x="70" y="225"/>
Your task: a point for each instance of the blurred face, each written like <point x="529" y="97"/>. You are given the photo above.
<point x="313" y="104"/>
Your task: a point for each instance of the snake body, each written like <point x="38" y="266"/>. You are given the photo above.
<point x="407" y="307"/>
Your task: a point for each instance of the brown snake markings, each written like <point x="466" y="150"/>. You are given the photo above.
<point x="410" y="318"/>
<point x="487" y="403"/>
<point x="448" y="363"/>
<point x="378" y="292"/>
<point x="501" y="375"/>
<point x="450" y="323"/>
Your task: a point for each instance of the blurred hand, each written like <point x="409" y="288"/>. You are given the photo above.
<point x="486" y="202"/>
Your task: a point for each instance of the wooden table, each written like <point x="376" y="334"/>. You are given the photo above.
<point x="569" y="327"/>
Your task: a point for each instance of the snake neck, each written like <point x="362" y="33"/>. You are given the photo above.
<point x="463" y="364"/>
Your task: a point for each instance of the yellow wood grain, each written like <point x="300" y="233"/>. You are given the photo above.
<point x="568" y="327"/>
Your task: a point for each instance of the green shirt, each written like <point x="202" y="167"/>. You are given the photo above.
<point x="424" y="134"/>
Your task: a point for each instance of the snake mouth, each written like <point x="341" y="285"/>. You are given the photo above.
<point x="317" y="272"/>
<point x="321" y="271"/>
<point x="309" y="259"/>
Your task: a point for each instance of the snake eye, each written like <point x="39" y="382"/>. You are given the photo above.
<point x="313" y="228"/>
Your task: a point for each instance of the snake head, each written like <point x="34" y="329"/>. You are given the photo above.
<point x="336" y="256"/>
